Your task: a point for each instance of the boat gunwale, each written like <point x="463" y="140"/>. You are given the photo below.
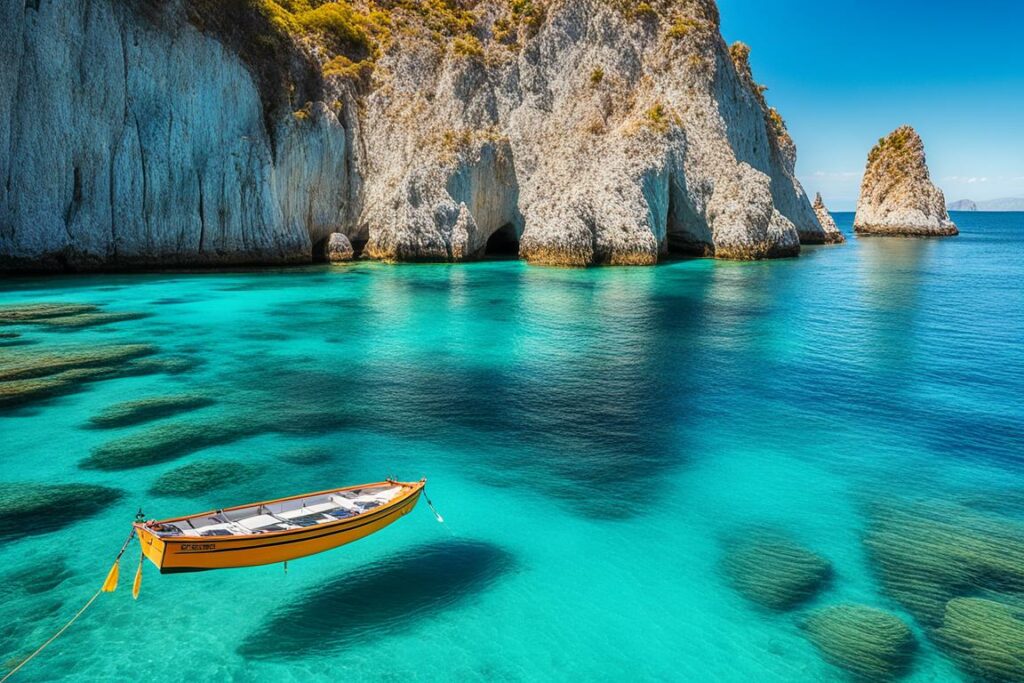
<point x="411" y="489"/>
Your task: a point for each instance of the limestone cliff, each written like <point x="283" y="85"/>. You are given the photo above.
<point x="897" y="196"/>
<point x="210" y="132"/>
<point x="833" y="235"/>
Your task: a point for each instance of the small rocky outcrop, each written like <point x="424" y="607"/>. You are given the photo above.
<point x="833" y="235"/>
<point x="774" y="571"/>
<point x="338" y="248"/>
<point x="897" y="196"/>
<point x="870" y="643"/>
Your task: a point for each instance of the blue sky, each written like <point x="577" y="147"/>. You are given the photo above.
<point x="845" y="73"/>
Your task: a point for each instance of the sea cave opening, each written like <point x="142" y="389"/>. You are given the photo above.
<point x="503" y="244"/>
<point x="686" y="234"/>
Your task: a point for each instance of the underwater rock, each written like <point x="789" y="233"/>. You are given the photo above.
<point x="28" y="313"/>
<point x="34" y="581"/>
<point x="773" y="571"/>
<point x="29" y="376"/>
<point x="833" y="235"/>
<point x="75" y="322"/>
<point x="169" y="441"/>
<point x="28" y="509"/>
<point x="985" y="637"/>
<point x="16" y="365"/>
<point x="22" y="392"/>
<point x="198" y="478"/>
<point x="897" y="196"/>
<point x="148" y="409"/>
<point x="927" y="554"/>
<point x="338" y="248"/>
<point x="870" y="643"/>
<point x="397" y="593"/>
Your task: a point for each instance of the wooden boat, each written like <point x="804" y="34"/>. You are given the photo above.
<point x="276" y="530"/>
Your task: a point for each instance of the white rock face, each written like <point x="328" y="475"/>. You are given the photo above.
<point x="338" y="248"/>
<point x="136" y="141"/>
<point x="833" y="235"/>
<point x="132" y="139"/>
<point x="604" y="140"/>
<point x="897" y="196"/>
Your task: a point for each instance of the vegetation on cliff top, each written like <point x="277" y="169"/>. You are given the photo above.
<point x="294" y="46"/>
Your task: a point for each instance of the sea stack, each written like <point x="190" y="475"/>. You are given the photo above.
<point x="897" y="196"/>
<point x="832" y="233"/>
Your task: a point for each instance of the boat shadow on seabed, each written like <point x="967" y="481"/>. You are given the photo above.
<point x="384" y="597"/>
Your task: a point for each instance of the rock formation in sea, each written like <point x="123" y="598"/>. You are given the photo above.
<point x="897" y="196"/>
<point x="833" y="235"/>
<point x="192" y="132"/>
<point x="339" y="248"/>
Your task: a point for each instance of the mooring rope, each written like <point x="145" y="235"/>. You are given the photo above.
<point x="73" y="619"/>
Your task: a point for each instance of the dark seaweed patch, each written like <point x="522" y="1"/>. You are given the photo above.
<point x="198" y="478"/>
<point x="985" y="637"/>
<point x="20" y="314"/>
<point x="385" y="597"/>
<point x="25" y="364"/>
<point x="148" y="409"/>
<point x="169" y="441"/>
<point x="774" y="571"/>
<point x="27" y="377"/>
<point x="307" y="456"/>
<point x="872" y="644"/>
<point x="29" y="509"/>
<point x="41" y="577"/>
<point x="77" y="322"/>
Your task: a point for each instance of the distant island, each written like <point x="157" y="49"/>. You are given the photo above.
<point x="1004" y="204"/>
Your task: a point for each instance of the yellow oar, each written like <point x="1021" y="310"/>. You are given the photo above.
<point x="137" y="584"/>
<point x="110" y="584"/>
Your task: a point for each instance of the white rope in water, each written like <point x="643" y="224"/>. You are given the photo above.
<point x="437" y="514"/>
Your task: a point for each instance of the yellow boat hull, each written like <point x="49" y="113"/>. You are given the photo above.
<point x="194" y="553"/>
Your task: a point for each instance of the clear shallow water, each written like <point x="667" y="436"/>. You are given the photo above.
<point x="590" y="435"/>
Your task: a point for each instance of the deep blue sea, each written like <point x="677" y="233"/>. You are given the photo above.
<point x="594" y="439"/>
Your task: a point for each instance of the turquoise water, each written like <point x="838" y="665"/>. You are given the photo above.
<point x="591" y="436"/>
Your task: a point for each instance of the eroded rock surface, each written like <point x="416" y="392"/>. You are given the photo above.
<point x="196" y="133"/>
<point x="338" y="248"/>
<point x="897" y="196"/>
<point x="833" y="235"/>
